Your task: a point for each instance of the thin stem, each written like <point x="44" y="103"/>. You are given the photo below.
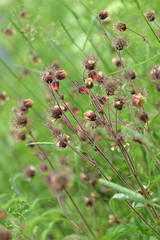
<point x="156" y="24"/>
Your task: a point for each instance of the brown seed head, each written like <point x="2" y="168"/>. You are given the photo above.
<point x="150" y="15"/>
<point x="21" y="137"/>
<point x="102" y="100"/>
<point x="48" y="78"/>
<point x="132" y="74"/>
<point x="62" y="143"/>
<point x="60" y="75"/>
<point x="117" y="62"/>
<point x="120" y="42"/>
<point x="21" y="121"/>
<point x="90" y="62"/>
<point x="103" y="15"/>
<point x="82" y="90"/>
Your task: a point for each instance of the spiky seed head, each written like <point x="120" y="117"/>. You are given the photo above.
<point x="103" y="14"/>
<point x="90" y="62"/>
<point x="150" y="15"/>
<point x="119" y="26"/>
<point x="120" y="42"/>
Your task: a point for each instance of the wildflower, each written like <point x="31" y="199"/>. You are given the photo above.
<point x="29" y="172"/>
<point x="120" y="138"/>
<point x="21" y="137"/>
<point x="43" y="167"/>
<point x="24" y="15"/>
<point x="9" y="32"/>
<point x="146" y="189"/>
<point x="117" y="62"/>
<point x="144" y="117"/>
<point x="119" y="102"/>
<point x="59" y="180"/>
<point x="19" y="121"/>
<point x="89" y="83"/>
<point x="132" y="75"/>
<point x="36" y="59"/>
<point x="27" y="103"/>
<point x="23" y="109"/>
<point x="55" y="112"/>
<point x="62" y="142"/>
<point x="82" y="90"/>
<point x="92" y="74"/>
<point x="120" y="42"/>
<point x="112" y="219"/>
<point x="138" y="100"/>
<point x="119" y="26"/>
<point x="48" y="78"/>
<point x="90" y="62"/>
<point x="150" y="15"/>
<point x="103" y="15"/>
<point x="90" y="115"/>
<point x="60" y="75"/>
<point x="4" y="234"/>
<point x="55" y="85"/>
<point x="102" y="100"/>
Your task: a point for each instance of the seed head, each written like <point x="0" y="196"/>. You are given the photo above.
<point x="132" y="74"/>
<point x="119" y="102"/>
<point x="48" y="79"/>
<point x="89" y="202"/>
<point x="117" y="62"/>
<point x="110" y="86"/>
<point x="19" y="121"/>
<point x="60" y="75"/>
<point x="150" y="15"/>
<point x="119" y="26"/>
<point x="43" y="167"/>
<point x="89" y="83"/>
<point x="155" y="73"/>
<point x="90" y="115"/>
<point x="59" y="180"/>
<point x="103" y="15"/>
<point x="55" y="85"/>
<point x="55" y="112"/>
<point x="144" y="117"/>
<point x="21" y="137"/>
<point x="90" y="62"/>
<point x="147" y="190"/>
<point x="120" y="42"/>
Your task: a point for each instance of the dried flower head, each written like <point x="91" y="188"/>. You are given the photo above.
<point x="89" y="83"/>
<point x="103" y="14"/>
<point x="110" y="86"/>
<point x="61" y="74"/>
<point x="144" y="117"/>
<point x="150" y="15"/>
<point x="59" y="180"/>
<point x="138" y="100"/>
<point x="55" y="112"/>
<point x="90" y="115"/>
<point x="120" y="42"/>
<point x="19" y="121"/>
<point x="90" y="62"/>
<point x="29" y="172"/>
<point x="119" y="27"/>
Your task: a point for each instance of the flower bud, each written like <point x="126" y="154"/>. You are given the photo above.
<point x="55" y="85"/>
<point x="89" y="83"/>
<point x="120" y="27"/>
<point x="75" y="110"/>
<point x="48" y="78"/>
<point x="29" y="172"/>
<point x="60" y="75"/>
<point x="102" y="100"/>
<point x="138" y="100"/>
<point x="27" y="103"/>
<point x="21" y="120"/>
<point x="82" y="90"/>
<point x="132" y="74"/>
<point x="90" y="115"/>
<point x="92" y="74"/>
<point x="21" y="137"/>
<point x="103" y="15"/>
<point x="118" y="105"/>
<point x="144" y="117"/>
